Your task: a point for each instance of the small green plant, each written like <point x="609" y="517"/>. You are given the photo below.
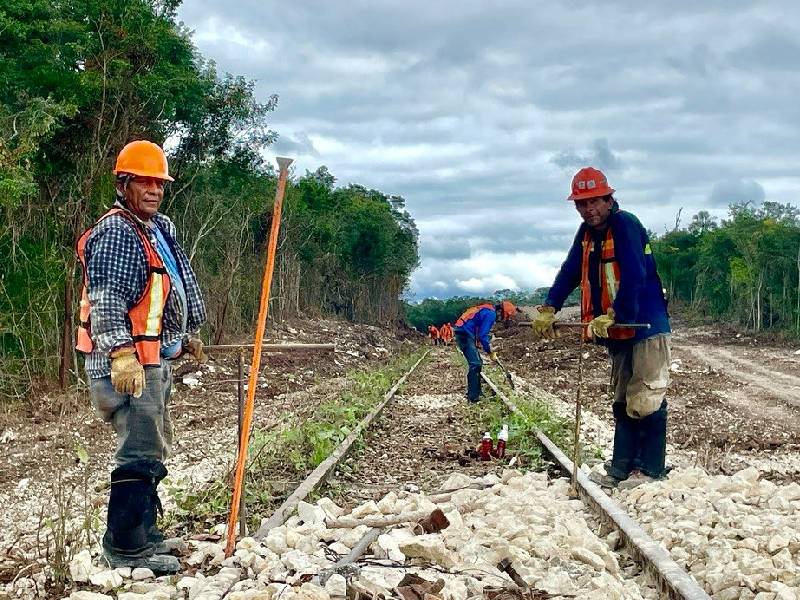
<point x="535" y="414"/>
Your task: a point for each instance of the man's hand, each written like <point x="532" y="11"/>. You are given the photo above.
<point x="598" y="327"/>
<point x="543" y="322"/>
<point x="127" y="375"/>
<point x="493" y="356"/>
<point x="195" y="347"/>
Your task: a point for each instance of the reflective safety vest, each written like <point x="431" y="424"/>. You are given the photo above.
<point x="471" y="312"/>
<point x="146" y="314"/>
<point x="609" y="284"/>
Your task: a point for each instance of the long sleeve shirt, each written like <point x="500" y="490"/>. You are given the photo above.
<point x="479" y="326"/>
<point x="117" y="271"/>
<point x="640" y="297"/>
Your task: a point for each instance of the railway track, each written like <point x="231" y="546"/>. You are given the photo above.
<point x="667" y="577"/>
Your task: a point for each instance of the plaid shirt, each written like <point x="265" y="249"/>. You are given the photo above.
<point x="116" y="269"/>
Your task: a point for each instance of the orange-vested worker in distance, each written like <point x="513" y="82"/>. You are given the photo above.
<point x="433" y="333"/>
<point x="448" y="333"/>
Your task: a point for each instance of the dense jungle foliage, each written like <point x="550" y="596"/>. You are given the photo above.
<point x="744" y="270"/>
<point x="78" y="80"/>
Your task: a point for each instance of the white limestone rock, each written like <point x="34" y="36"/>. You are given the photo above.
<point x="332" y="510"/>
<point x="108" y="580"/>
<point x="430" y="547"/>
<point x="310" y="513"/>
<point x="87" y="595"/>
<point x="140" y="574"/>
<point x="365" y="510"/>
<point x="336" y="586"/>
<point x="80" y="567"/>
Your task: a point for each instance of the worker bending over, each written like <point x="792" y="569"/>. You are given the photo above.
<point x="473" y="327"/>
<point x="433" y="332"/>
<point x="613" y="264"/>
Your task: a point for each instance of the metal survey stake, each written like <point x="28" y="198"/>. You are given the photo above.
<point x="255" y="364"/>
<point x="573" y="488"/>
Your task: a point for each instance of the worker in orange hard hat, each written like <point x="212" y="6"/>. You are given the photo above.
<point x="141" y="306"/>
<point x="612" y="262"/>
<point x="472" y="328"/>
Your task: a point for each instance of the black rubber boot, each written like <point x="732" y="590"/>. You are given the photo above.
<point x="126" y="542"/>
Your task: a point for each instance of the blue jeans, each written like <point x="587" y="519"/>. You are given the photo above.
<point x="142" y="425"/>
<point x="466" y="343"/>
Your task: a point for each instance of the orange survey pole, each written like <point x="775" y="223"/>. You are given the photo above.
<point x="266" y="284"/>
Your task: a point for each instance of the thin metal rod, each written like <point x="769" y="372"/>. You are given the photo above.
<point x="573" y="490"/>
<point x="579" y="324"/>
<point x="272" y="347"/>
<point x="242" y="507"/>
<point x="255" y="363"/>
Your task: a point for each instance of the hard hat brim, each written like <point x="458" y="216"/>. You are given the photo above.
<point x="143" y="173"/>
<point x="597" y="193"/>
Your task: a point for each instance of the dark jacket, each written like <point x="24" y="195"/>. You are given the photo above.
<point x="640" y="298"/>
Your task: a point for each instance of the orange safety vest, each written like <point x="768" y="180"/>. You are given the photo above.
<point x="146" y="314"/>
<point x="470" y="312"/>
<point x="609" y="284"/>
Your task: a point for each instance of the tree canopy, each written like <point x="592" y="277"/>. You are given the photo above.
<point x="80" y="79"/>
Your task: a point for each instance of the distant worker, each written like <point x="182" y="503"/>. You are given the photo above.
<point x="448" y="333"/>
<point x="141" y="306"/>
<point x="613" y="264"/>
<point x="433" y="332"/>
<point x="472" y="328"/>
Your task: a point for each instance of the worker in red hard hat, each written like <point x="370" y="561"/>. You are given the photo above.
<point x="141" y="306"/>
<point x="612" y="263"/>
<point x="472" y="328"/>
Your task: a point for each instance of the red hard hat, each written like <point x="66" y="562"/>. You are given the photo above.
<point x="589" y="183"/>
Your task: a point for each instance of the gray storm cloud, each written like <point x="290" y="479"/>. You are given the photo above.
<point x="479" y="115"/>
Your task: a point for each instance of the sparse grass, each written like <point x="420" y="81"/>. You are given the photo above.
<point x="279" y="457"/>
<point x="534" y="414"/>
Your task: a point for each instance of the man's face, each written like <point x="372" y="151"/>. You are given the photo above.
<point x="143" y="195"/>
<point x="594" y="211"/>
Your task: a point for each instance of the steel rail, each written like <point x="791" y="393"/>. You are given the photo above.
<point x="673" y="581"/>
<point x="324" y="469"/>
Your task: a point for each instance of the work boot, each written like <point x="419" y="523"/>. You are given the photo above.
<point x="131" y="518"/>
<point x="604" y="481"/>
<point x="635" y="479"/>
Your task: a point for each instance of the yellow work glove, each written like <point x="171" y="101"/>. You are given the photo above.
<point x="127" y="375"/>
<point x="195" y="347"/>
<point x="493" y="356"/>
<point x="598" y="327"/>
<point x="543" y="322"/>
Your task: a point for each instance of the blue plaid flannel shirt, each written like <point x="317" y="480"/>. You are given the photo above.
<point x="116" y="268"/>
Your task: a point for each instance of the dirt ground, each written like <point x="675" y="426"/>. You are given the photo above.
<point x="732" y="400"/>
<point x="420" y="438"/>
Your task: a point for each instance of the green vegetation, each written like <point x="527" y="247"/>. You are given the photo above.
<point x="744" y="269"/>
<point x="78" y="80"/>
<point x="280" y="457"/>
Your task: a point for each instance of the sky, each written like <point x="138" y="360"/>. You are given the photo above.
<point x="479" y="113"/>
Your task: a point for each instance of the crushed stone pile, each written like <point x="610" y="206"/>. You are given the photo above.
<point x="526" y="518"/>
<point x="739" y="535"/>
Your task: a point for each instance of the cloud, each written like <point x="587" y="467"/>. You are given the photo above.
<point x="479" y="115"/>
<point x="725" y="193"/>
<point x="600" y="157"/>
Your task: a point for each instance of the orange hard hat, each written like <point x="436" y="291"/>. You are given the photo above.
<point x="589" y="183"/>
<point x="143" y="158"/>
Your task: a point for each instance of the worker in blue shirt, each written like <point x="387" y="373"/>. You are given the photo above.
<point x="474" y="326"/>
<point x="612" y="263"/>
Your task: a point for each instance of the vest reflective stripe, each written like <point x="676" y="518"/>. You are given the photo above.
<point x="147" y="313"/>
<point x="471" y="312"/>
<point x="153" y="323"/>
<point x="609" y="284"/>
